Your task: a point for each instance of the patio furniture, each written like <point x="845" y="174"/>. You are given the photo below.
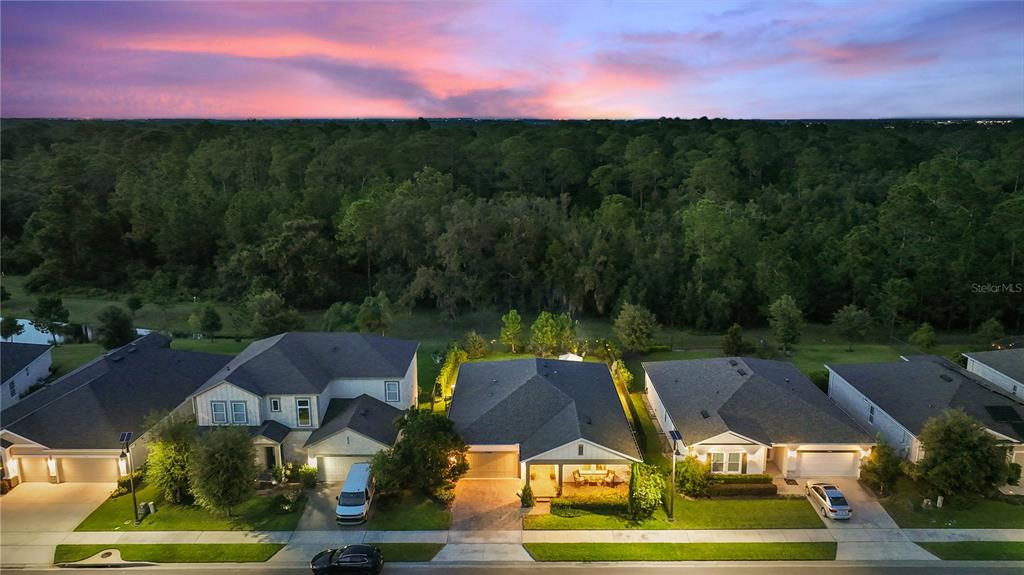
<point x="577" y="479"/>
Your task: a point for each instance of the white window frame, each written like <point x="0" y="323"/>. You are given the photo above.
<point x="272" y="401"/>
<point x="729" y="462"/>
<point x="388" y="389"/>
<point x="245" y="413"/>
<point x="298" y="411"/>
<point x="579" y="450"/>
<point x="213" y="412"/>
<point x="720" y="455"/>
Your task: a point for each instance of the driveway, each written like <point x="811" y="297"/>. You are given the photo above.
<point x="35" y="517"/>
<point x="487" y="504"/>
<point x="319" y="513"/>
<point x="868" y="513"/>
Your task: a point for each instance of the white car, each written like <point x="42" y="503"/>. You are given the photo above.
<point x="829" y="501"/>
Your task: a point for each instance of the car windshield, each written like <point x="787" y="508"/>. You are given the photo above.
<point x="837" y="500"/>
<point x="352" y="499"/>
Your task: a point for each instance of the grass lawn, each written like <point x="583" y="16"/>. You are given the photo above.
<point x="682" y="551"/>
<point x="175" y="552"/>
<point x="67" y="357"/>
<point x="406" y="552"/>
<point x="983" y="514"/>
<point x="652" y="438"/>
<point x="977" y="550"/>
<point x="724" y="513"/>
<point x="410" y="513"/>
<point x="257" y="514"/>
<point x="811" y="357"/>
<point x="223" y="346"/>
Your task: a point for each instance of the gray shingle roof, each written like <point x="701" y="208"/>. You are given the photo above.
<point x="912" y="392"/>
<point x="1009" y="362"/>
<point x="305" y="362"/>
<point x="272" y="430"/>
<point x="364" y="414"/>
<point x="540" y="404"/>
<point x="16" y="356"/>
<point x="89" y="407"/>
<point x="767" y="401"/>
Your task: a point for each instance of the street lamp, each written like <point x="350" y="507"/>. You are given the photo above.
<point x="126" y="454"/>
<point x="676" y="438"/>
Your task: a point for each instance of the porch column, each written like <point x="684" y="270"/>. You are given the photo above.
<point x="561" y="477"/>
<point x="528" y="474"/>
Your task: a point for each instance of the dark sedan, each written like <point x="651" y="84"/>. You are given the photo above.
<point x="363" y="559"/>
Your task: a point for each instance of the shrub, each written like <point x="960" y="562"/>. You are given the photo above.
<point x="1014" y="475"/>
<point x="756" y="478"/>
<point x="308" y="476"/>
<point x="819" y="377"/>
<point x="646" y="488"/>
<point x="609" y="504"/>
<point x="693" y="476"/>
<point x="526" y="497"/>
<point x="287" y="501"/>
<point x="475" y="345"/>
<point x="881" y="469"/>
<point x="749" y="489"/>
<point x="444" y="495"/>
<point x="124" y="483"/>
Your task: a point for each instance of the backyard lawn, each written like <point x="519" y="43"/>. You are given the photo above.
<point x="725" y="513"/>
<point x="407" y="552"/>
<point x="257" y="514"/>
<point x="977" y="550"/>
<point x="174" y="552"/>
<point x="681" y="551"/>
<point x="69" y="356"/>
<point x="904" y="507"/>
<point x="410" y="513"/>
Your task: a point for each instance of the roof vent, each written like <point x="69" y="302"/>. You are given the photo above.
<point x="133" y="349"/>
<point x="787" y="380"/>
<point x="118" y="358"/>
<point x="946" y="377"/>
<point x="494" y="381"/>
<point x="704" y="413"/>
<point x="741" y="371"/>
<point x="590" y="421"/>
<point x="733" y="362"/>
<point x="364" y="412"/>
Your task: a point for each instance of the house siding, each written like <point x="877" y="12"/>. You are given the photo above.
<point x="346" y="442"/>
<point x="1016" y="388"/>
<point x="857" y="406"/>
<point x="28" y="376"/>
<point x="293" y="448"/>
<point x="226" y="392"/>
<point x="570" y="451"/>
<point x="731" y="443"/>
<point x="658" y="412"/>
<point x="289" y="414"/>
<point x="374" y="387"/>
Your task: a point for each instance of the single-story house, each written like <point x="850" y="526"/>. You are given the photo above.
<point x="326" y="399"/>
<point x="896" y="400"/>
<point x="22" y="365"/>
<point x="69" y="431"/>
<point x="745" y="415"/>
<point x="1004" y="368"/>
<point x="542" y="420"/>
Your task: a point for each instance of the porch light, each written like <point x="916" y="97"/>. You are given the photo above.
<point x="12" y="467"/>
<point x="311" y="461"/>
<point x="122" y="464"/>
<point x="51" y="466"/>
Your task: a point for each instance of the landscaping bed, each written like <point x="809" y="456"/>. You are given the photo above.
<point x="977" y="550"/>
<point x="681" y="551"/>
<point x="904" y="506"/>
<point x="174" y="552"/>
<point x="408" y="552"/>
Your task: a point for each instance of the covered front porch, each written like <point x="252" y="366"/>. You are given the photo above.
<point x="561" y="479"/>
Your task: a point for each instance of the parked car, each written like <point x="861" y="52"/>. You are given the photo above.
<point x="356" y="496"/>
<point x="829" y="500"/>
<point x="363" y="559"/>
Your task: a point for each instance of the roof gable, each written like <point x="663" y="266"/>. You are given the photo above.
<point x="364" y="415"/>
<point x="16" y="356"/>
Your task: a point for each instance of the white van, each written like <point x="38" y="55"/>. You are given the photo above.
<point x="356" y="495"/>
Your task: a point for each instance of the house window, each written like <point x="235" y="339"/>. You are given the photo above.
<point x="391" y="393"/>
<point x="304" y="412"/>
<point x="717" y="462"/>
<point x="219" y="412"/>
<point x="871" y="414"/>
<point x="11" y="389"/>
<point x="733" y="463"/>
<point x="579" y="450"/>
<point x="239" y="413"/>
<point x="275" y="404"/>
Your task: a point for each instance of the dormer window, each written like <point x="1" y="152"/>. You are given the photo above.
<point x="275" y="404"/>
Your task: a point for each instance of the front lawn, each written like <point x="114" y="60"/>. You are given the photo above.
<point x="731" y="513"/>
<point x="977" y="550"/>
<point x="681" y="551"/>
<point x="174" y="552"/>
<point x="408" y="552"/>
<point x="409" y="513"/>
<point x="904" y="506"/>
<point x="258" y="514"/>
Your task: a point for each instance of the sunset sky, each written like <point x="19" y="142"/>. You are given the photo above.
<point x="513" y="59"/>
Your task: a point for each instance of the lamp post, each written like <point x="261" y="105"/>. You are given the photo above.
<point x="126" y="454"/>
<point x="676" y="436"/>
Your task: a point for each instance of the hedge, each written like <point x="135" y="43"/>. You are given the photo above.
<point x="757" y="478"/>
<point x="731" y="489"/>
<point x="600" y="504"/>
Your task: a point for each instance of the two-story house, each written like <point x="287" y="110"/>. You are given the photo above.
<point x="326" y="399"/>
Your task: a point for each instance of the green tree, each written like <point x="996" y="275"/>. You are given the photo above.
<point x="10" y="327"/>
<point x="896" y="297"/>
<point x="693" y="476"/>
<point x="5" y="294"/>
<point x="270" y="315"/>
<point x="222" y="468"/>
<point x="787" y="321"/>
<point x="167" y="466"/>
<point x="114" y="327"/>
<point x="449" y="371"/>
<point x="990" y="331"/>
<point x="733" y="342"/>
<point x="852" y="323"/>
<point x="475" y="345"/>
<point x="924" y="336"/>
<point x="961" y="458"/>
<point x="374" y="314"/>
<point x="210" y="322"/>
<point x="195" y="323"/>
<point x="545" y="334"/>
<point x="882" y="467"/>
<point x="48" y="315"/>
<point x="133" y="303"/>
<point x="340" y="317"/>
<point x="621" y="375"/>
<point x="635" y="327"/>
<point x="161" y="292"/>
<point x="429" y="456"/>
<point x="511" y="329"/>
<point x="646" y="490"/>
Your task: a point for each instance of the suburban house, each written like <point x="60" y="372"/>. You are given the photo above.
<point x="22" y="365"/>
<point x="544" y="421"/>
<point x="1004" y="368"/>
<point x="326" y="399"/>
<point x="69" y="431"/>
<point x="744" y="415"/>
<point x="896" y="399"/>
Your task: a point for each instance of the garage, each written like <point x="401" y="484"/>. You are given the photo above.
<point x="33" y="469"/>
<point x="493" y="464"/>
<point x="828" y="463"/>
<point x="88" y="469"/>
<point x="335" y="468"/>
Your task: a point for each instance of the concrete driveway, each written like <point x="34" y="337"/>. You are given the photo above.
<point x="35" y="517"/>
<point x="487" y="504"/>
<point x="868" y="513"/>
<point x="319" y="513"/>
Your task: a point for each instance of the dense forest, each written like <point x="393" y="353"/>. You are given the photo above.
<point x="704" y="222"/>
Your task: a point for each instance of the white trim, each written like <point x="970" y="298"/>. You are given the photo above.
<point x="245" y="412"/>
<point x="398" y="391"/>
<point x="270" y="404"/>
<point x="22" y="437"/>
<point x="213" y="412"/>
<point x="587" y="441"/>
<point x="326" y="437"/>
<point x="298" y="419"/>
<point x="740" y="435"/>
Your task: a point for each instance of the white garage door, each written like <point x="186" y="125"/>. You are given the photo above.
<point x="335" y="468"/>
<point x="492" y="464"/>
<point x="828" y="464"/>
<point x="88" y="469"/>
<point x="33" y="469"/>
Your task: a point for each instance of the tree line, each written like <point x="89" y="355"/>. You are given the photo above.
<point x="703" y="222"/>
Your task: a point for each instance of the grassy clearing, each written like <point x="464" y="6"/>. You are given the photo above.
<point x="682" y="551"/>
<point x="409" y="513"/>
<point x="904" y="507"/>
<point x="653" y="441"/>
<point x="731" y="513"/>
<point x="219" y="346"/>
<point x="408" y="552"/>
<point x="175" y="552"/>
<point x="257" y="514"/>
<point x="68" y="357"/>
<point x="977" y="550"/>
